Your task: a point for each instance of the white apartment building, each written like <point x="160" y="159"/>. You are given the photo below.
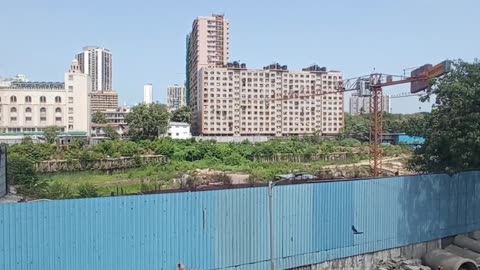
<point x="34" y="106"/>
<point x="208" y="45"/>
<point x="235" y="101"/>
<point x="361" y="104"/>
<point x="148" y="94"/>
<point x="97" y="62"/>
<point x="179" y="131"/>
<point x="176" y="97"/>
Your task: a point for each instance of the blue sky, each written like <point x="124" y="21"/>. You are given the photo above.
<point x="147" y="38"/>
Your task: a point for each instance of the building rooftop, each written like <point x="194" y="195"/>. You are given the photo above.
<point x="36" y="85"/>
<point x="183" y="124"/>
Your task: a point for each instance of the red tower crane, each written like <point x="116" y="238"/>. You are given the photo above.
<point x="371" y="86"/>
<point x="419" y="81"/>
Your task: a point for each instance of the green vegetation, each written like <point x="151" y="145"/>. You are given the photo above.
<point x="452" y="129"/>
<point x="148" y="121"/>
<point x="183" y="114"/>
<point x="186" y="157"/>
<point x="358" y="126"/>
<point x="51" y="134"/>
<point x="99" y="118"/>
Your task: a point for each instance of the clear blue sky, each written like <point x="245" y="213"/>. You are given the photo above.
<point x="147" y="38"/>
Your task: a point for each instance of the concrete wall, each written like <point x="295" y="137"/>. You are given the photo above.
<point x="234" y="139"/>
<point x="229" y="229"/>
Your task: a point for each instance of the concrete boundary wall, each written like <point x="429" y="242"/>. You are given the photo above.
<point x="229" y="229"/>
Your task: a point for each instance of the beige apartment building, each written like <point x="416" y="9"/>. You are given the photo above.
<point x="102" y="102"/>
<point x="34" y="106"/>
<point x="235" y="101"/>
<point x="207" y="46"/>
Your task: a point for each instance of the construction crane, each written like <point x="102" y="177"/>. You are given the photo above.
<point x="372" y="87"/>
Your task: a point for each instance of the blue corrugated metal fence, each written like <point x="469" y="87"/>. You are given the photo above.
<point x="229" y="229"/>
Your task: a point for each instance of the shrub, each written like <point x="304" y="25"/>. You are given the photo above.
<point x="58" y="191"/>
<point x="87" y="190"/>
<point x="20" y="170"/>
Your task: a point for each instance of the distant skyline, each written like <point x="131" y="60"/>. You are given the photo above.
<point x="147" y="38"/>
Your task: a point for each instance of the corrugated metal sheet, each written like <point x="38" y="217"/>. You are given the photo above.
<point x="229" y="229"/>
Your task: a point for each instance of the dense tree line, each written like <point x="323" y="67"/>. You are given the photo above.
<point x="452" y="129"/>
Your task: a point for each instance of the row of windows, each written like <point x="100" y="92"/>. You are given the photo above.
<point x="42" y="110"/>
<point x="273" y="129"/>
<point x="272" y="74"/>
<point x="28" y="99"/>
<point x="29" y="119"/>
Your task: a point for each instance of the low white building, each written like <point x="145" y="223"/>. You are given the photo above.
<point x="179" y="130"/>
<point x="27" y="107"/>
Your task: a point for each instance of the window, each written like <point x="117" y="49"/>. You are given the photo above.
<point x="13" y="110"/>
<point x="70" y="110"/>
<point x="13" y="119"/>
<point x="43" y="99"/>
<point x="28" y="110"/>
<point x="43" y="110"/>
<point x="28" y="119"/>
<point x="28" y="99"/>
<point x="58" y="99"/>
<point x="13" y="99"/>
<point x="58" y="110"/>
<point x="70" y="99"/>
<point x="43" y="118"/>
<point x="70" y="88"/>
<point x="58" y="118"/>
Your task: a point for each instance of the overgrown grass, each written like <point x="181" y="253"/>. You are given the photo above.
<point x="162" y="177"/>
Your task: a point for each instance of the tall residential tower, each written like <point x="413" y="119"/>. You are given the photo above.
<point x="176" y="97"/>
<point x="148" y="93"/>
<point x="208" y="45"/>
<point x="97" y="62"/>
<point x="361" y="104"/>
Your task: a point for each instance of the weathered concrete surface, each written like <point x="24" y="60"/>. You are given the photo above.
<point x="465" y="253"/>
<point x="440" y="258"/>
<point x="475" y="235"/>
<point x="466" y="242"/>
<point x="370" y="261"/>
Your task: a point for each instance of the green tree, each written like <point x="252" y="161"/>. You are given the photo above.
<point x="357" y="127"/>
<point x="183" y="114"/>
<point x="99" y="118"/>
<point x="146" y="122"/>
<point x="51" y="134"/>
<point x="452" y="130"/>
<point x="110" y="133"/>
